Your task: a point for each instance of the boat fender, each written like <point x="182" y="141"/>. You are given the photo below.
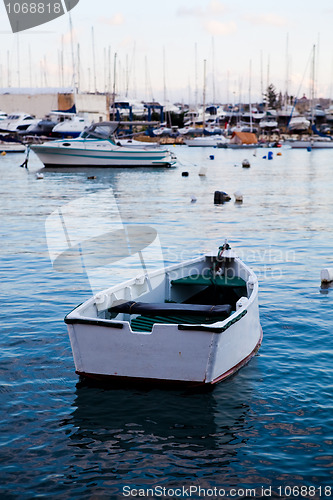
<point x="326" y="275"/>
<point x="238" y="197"/>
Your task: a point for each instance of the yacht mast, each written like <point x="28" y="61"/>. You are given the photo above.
<point x="250" y="106"/>
<point x="204" y="98"/>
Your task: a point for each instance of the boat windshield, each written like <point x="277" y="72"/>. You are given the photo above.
<point x="101" y="130"/>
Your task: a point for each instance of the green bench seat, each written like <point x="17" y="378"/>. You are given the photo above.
<point x="199" y="279"/>
<point x="146" y="323"/>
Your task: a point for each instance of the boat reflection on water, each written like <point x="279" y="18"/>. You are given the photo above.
<point x="146" y="437"/>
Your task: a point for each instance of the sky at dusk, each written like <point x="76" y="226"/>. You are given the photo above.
<point x="161" y="49"/>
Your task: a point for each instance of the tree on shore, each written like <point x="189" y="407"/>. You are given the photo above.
<point x="271" y="97"/>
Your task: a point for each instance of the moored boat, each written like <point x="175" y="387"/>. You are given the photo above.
<point x="96" y="147"/>
<point x="190" y="324"/>
<point x="312" y="143"/>
<point x="206" y="141"/>
<point x="12" y="147"/>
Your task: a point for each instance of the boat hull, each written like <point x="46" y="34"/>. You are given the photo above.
<point x="311" y="144"/>
<point x="169" y="354"/>
<point x="99" y="154"/>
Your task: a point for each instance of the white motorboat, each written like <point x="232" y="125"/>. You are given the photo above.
<point x="17" y="122"/>
<point x="207" y="141"/>
<point x="96" y="147"/>
<point x="70" y="126"/>
<point x="299" y="124"/>
<point x="11" y="147"/>
<point x="312" y="143"/>
<point x="269" y="121"/>
<point x="190" y="324"/>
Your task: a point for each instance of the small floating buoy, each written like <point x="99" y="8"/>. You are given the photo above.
<point x="203" y="171"/>
<point x="326" y="275"/>
<point x="211" y="157"/>
<point x="279" y="153"/>
<point x="270" y="155"/>
<point x="184" y="174"/>
<point x="193" y="199"/>
<point x="39" y="176"/>
<point x="309" y="148"/>
<point x="3" y="153"/>
<point x="246" y="163"/>
<point x="238" y="197"/>
<point x="264" y="157"/>
<point x="221" y="197"/>
<point x="91" y="177"/>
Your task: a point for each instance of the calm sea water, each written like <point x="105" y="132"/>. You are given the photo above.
<point x="268" y="428"/>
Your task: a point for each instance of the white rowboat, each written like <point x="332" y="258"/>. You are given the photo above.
<point x="190" y="324"/>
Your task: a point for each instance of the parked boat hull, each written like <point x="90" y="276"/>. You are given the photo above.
<point x="169" y="354"/>
<point x="86" y="153"/>
<point x="311" y="144"/>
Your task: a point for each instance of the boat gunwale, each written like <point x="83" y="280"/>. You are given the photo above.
<point x="75" y="316"/>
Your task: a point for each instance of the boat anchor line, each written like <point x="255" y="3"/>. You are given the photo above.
<point x="26" y="161"/>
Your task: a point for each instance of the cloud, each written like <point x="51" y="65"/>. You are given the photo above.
<point x="214" y="8"/>
<point x="115" y="20"/>
<point x="268" y="19"/>
<point x="190" y="12"/>
<point x="212" y="17"/>
<point x="218" y="28"/>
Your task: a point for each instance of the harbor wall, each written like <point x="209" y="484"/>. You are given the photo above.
<point x="41" y="104"/>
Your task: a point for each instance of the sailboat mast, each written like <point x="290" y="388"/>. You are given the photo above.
<point x="72" y="49"/>
<point x="287" y="73"/>
<point x="196" y="77"/>
<point x="18" y="61"/>
<point x="164" y="78"/>
<point x="213" y="57"/>
<point x="204" y="97"/>
<point x="94" y="58"/>
<point x="114" y="85"/>
<point x="313" y="83"/>
<point x="250" y="106"/>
